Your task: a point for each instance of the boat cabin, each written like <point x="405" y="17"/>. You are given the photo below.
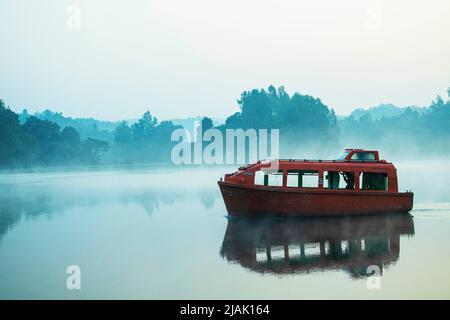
<point x="359" y="155"/>
<point x="354" y="170"/>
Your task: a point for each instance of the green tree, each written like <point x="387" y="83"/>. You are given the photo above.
<point x="70" y="136"/>
<point x="11" y="144"/>
<point x="144" y="127"/>
<point x="93" y="150"/>
<point x="123" y="133"/>
<point x="302" y="120"/>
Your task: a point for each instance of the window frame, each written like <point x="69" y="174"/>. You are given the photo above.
<point x="316" y="173"/>
<point x="385" y="177"/>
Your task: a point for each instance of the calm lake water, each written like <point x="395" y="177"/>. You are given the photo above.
<point x="163" y="233"/>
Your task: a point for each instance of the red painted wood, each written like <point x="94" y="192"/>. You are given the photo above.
<point x="257" y="200"/>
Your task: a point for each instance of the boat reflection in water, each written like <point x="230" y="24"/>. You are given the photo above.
<point x="302" y="245"/>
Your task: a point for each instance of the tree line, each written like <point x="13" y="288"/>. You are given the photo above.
<point x="43" y="143"/>
<point x="414" y="132"/>
<point x="305" y="124"/>
<point x="147" y="140"/>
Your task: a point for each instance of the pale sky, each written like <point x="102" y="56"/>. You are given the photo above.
<point x="188" y="58"/>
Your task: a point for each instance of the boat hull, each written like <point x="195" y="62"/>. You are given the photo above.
<point x="262" y="200"/>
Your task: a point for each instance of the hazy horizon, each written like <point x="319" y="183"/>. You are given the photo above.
<point x="181" y="59"/>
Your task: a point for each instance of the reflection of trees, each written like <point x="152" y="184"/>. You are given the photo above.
<point x="207" y="197"/>
<point x="17" y="202"/>
<point x="150" y="200"/>
<point x="289" y="246"/>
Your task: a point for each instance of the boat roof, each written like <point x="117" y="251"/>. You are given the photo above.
<point x="333" y="161"/>
<point x="351" y="158"/>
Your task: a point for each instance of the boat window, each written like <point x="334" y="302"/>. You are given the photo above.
<point x="294" y="252"/>
<point x="366" y="156"/>
<point x="343" y="155"/>
<point x="267" y="178"/>
<point x="376" y="246"/>
<point x="339" y="180"/>
<point x="276" y="179"/>
<point x="259" y="178"/>
<point x="303" y="178"/>
<point x="373" y="181"/>
<point x="345" y="247"/>
<point x="312" y="249"/>
<point x="261" y="255"/>
<point x="277" y="253"/>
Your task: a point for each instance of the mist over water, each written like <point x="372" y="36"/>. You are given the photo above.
<point x="120" y="94"/>
<point x="163" y="232"/>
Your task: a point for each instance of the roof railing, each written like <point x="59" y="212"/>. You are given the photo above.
<point x="333" y="161"/>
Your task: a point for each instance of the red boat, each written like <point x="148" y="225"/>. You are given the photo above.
<point x="356" y="183"/>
